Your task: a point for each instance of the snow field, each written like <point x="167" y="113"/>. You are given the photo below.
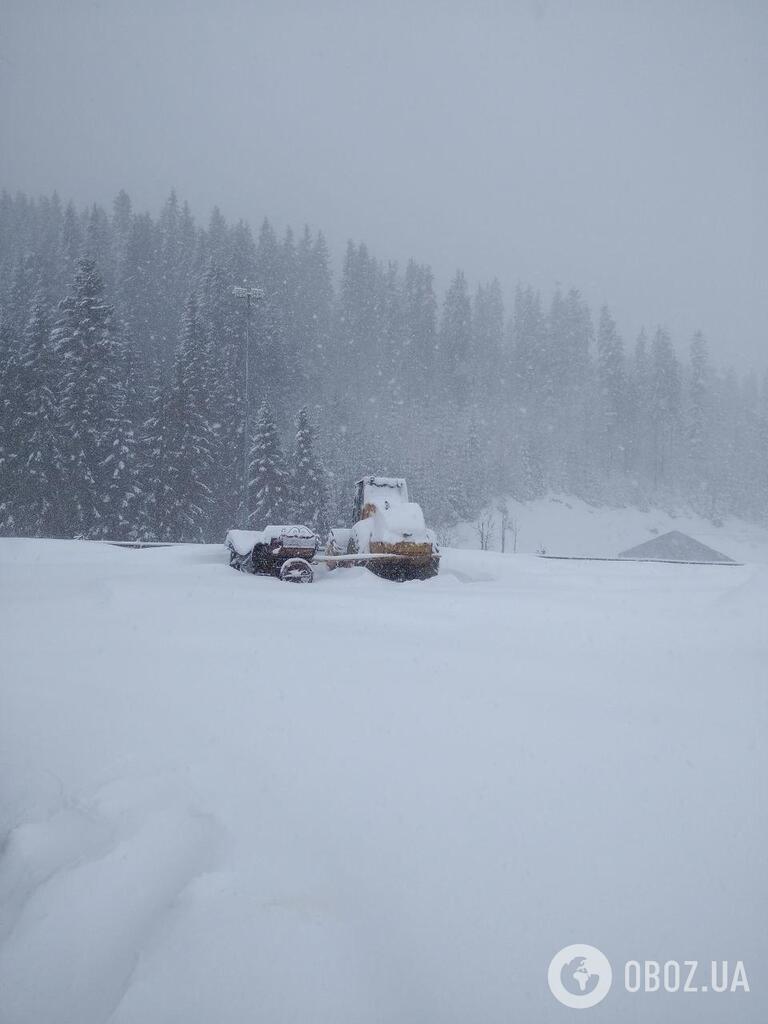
<point x="226" y="798"/>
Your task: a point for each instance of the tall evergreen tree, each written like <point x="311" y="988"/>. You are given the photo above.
<point x="456" y="339"/>
<point x="698" y="406"/>
<point x="269" y="482"/>
<point x="309" y="491"/>
<point x="186" y="497"/>
<point x="313" y="309"/>
<point x="38" y="455"/>
<point x="421" y="329"/>
<point x="11" y="402"/>
<point x="611" y="390"/>
<point x="665" y="407"/>
<point x="224" y="326"/>
<point x="97" y="437"/>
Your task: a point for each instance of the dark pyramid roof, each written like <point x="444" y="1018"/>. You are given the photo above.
<point x="675" y="547"/>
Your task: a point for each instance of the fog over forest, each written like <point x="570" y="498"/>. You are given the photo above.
<point x="123" y="345"/>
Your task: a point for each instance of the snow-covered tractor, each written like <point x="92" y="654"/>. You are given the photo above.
<point x="283" y="551"/>
<point x="388" y="534"/>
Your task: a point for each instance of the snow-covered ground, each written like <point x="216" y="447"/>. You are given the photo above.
<point x="227" y="799"/>
<point x="564" y="525"/>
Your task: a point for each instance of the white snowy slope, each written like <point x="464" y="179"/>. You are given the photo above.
<point x="564" y="525"/>
<point x="226" y="798"/>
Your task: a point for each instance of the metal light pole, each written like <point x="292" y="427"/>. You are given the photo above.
<point x="249" y="294"/>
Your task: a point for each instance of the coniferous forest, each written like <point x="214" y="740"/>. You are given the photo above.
<point x="122" y="359"/>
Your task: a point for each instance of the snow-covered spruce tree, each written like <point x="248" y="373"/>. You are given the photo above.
<point x="185" y="439"/>
<point x="638" y="427"/>
<point x="223" y="322"/>
<point x="70" y="247"/>
<point x="487" y="344"/>
<point x="565" y="397"/>
<point x="313" y="308"/>
<point x="455" y="339"/>
<point x="309" y="490"/>
<point x="665" y="409"/>
<point x="420" y="329"/>
<point x="269" y="482"/>
<point x="97" y="439"/>
<point x="698" y="415"/>
<point x="140" y="288"/>
<point x="10" y="403"/>
<point x="611" y="394"/>
<point x="151" y="457"/>
<point x="38" y="431"/>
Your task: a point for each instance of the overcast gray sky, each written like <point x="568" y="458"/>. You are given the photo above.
<point x="618" y="147"/>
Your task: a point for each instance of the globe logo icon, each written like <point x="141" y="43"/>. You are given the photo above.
<point x="579" y="976"/>
<point x="576" y="978"/>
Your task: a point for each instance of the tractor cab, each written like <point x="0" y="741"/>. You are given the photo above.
<point x="380" y="492"/>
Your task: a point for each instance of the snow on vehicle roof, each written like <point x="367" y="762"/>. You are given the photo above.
<point x="243" y="541"/>
<point x="291" y="530"/>
<point x="384" y="481"/>
<point x="390" y="483"/>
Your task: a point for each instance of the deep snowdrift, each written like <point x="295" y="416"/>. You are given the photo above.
<point x="230" y="799"/>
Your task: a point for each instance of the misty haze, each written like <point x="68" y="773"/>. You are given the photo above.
<point x="456" y="312"/>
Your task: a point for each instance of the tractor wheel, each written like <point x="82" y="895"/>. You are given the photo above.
<point x="296" y="570"/>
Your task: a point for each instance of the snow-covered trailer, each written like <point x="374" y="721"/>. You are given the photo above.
<point x="283" y="551"/>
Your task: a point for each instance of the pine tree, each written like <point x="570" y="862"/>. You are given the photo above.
<point x="70" y="245"/>
<point x="488" y="369"/>
<point x="456" y="339"/>
<point x="528" y="389"/>
<point x="223" y="324"/>
<point x="420" y="329"/>
<point x="37" y="430"/>
<point x="98" y="244"/>
<point x="665" y="407"/>
<point x="140" y="290"/>
<point x="698" y="407"/>
<point x="313" y="308"/>
<point x="152" y="458"/>
<point x="570" y="337"/>
<point x="309" y="491"/>
<point x="97" y="438"/>
<point x="358" y="320"/>
<point x="11" y="402"/>
<point x="611" y="393"/>
<point x="269" y="482"/>
<point x="185" y="497"/>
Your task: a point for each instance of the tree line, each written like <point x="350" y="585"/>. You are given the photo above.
<point x="122" y="358"/>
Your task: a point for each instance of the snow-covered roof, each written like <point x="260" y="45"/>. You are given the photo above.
<point x="675" y="547"/>
<point x="374" y="485"/>
<point x="244" y="541"/>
